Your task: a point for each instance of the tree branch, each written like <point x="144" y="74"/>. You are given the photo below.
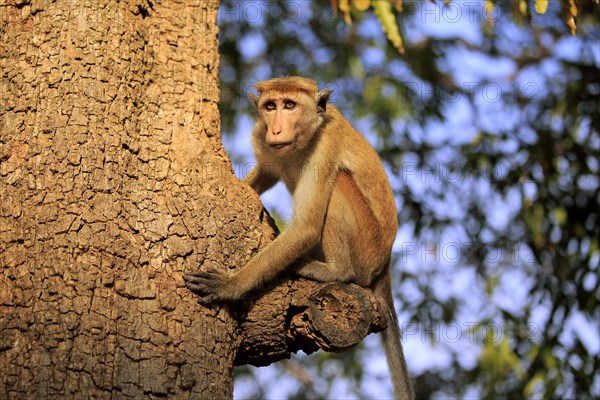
<point x="306" y="315"/>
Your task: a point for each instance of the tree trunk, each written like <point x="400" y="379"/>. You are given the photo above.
<point x="114" y="181"/>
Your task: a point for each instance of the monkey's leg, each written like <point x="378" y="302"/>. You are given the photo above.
<point x="332" y="261"/>
<point x="333" y="271"/>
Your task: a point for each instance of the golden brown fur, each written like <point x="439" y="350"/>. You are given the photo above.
<point x="344" y="220"/>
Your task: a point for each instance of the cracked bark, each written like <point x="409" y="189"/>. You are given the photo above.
<point x="113" y="183"/>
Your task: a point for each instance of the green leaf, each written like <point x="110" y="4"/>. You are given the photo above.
<point x="491" y="283"/>
<point x="344" y="6"/>
<point x="489" y="8"/>
<point x="533" y="384"/>
<point x="361" y="5"/>
<point x="510" y="357"/>
<point x="541" y="6"/>
<point x="356" y="68"/>
<point x="383" y="11"/>
<point x="560" y="215"/>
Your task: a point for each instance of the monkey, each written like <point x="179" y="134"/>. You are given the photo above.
<point x="344" y="219"/>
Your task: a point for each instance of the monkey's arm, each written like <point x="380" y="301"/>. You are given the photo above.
<point x="302" y="234"/>
<point x="260" y="180"/>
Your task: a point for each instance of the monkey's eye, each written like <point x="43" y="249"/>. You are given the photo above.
<point x="270" y="105"/>
<point x="290" y="105"/>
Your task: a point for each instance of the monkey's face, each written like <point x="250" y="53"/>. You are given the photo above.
<point x="291" y="119"/>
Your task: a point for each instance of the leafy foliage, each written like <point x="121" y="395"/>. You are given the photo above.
<point x="489" y="127"/>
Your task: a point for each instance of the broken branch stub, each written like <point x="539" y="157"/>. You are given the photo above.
<point x="306" y="315"/>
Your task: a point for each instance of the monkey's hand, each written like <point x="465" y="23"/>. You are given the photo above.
<point x="210" y="285"/>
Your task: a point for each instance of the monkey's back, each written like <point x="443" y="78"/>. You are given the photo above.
<point x="361" y="161"/>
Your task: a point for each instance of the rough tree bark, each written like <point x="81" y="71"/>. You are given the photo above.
<point x="113" y="182"/>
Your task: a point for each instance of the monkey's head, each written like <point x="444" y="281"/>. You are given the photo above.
<point x="291" y="110"/>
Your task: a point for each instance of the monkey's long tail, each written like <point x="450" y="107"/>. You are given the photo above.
<point x="392" y="343"/>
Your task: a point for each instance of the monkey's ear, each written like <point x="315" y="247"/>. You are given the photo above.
<point x="322" y="99"/>
<point x="253" y="99"/>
